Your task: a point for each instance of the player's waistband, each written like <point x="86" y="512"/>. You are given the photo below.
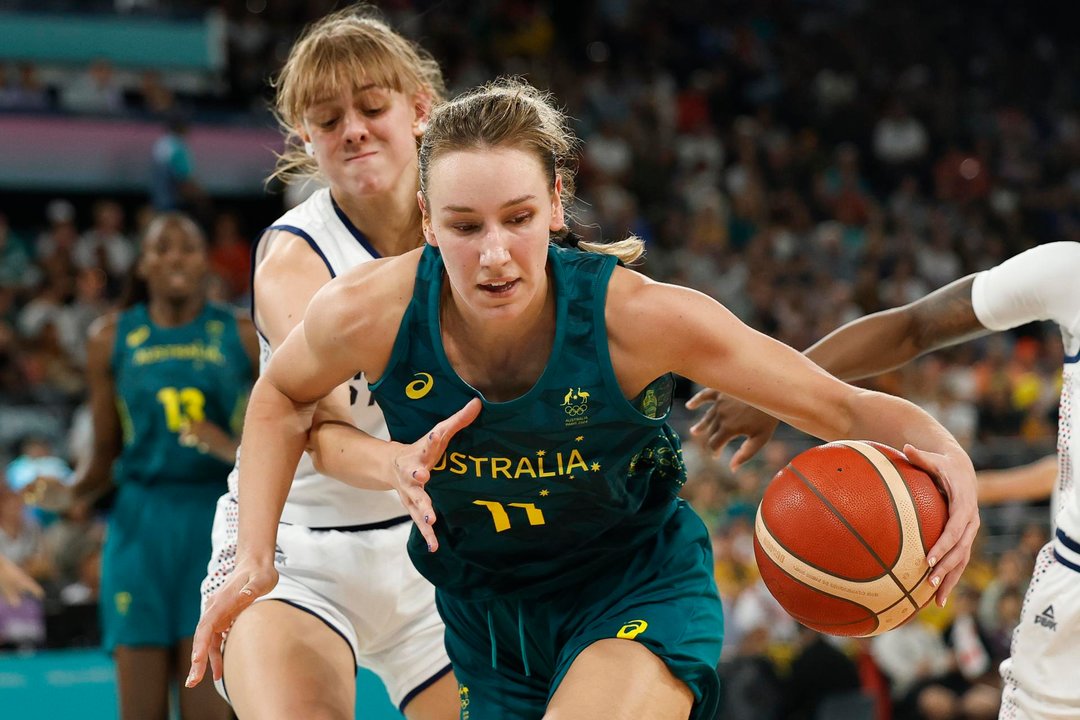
<point x="1067" y="550"/>
<point x="380" y="525"/>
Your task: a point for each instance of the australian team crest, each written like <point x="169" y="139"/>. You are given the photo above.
<point x="576" y="406"/>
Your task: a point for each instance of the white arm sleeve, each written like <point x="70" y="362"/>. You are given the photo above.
<point x="1042" y="283"/>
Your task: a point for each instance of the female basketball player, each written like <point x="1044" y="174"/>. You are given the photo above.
<point x="354" y="97"/>
<point x="1039" y="284"/>
<point x="170" y="359"/>
<point x="572" y="580"/>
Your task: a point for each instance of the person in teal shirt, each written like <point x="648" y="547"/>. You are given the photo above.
<point x="572" y="579"/>
<point x="169" y="378"/>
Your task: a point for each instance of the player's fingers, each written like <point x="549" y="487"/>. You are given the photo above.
<point x="441" y="435"/>
<point x="199" y="647"/>
<point x="461" y="419"/>
<point x="707" y="395"/>
<point x="706" y="424"/>
<point x="424" y="520"/>
<point x="217" y="661"/>
<point x="719" y="440"/>
<point x="952" y="566"/>
<point x="927" y="462"/>
<point x="748" y="449"/>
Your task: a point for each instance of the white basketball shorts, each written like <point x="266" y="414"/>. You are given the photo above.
<point x="1040" y="677"/>
<point x="361" y="583"/>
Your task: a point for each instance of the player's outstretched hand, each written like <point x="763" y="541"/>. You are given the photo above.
<point x="726" y="419"/>
<point x="412" y="468"/>
<point x="245" y="584"/>
<point x="951" y="553"/>
<point x="208" y="439"/>
<point x="15" y="583"/>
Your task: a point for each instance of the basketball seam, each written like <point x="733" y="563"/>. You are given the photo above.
<point x="908" y="593"/>
<point x="858" y="536"/>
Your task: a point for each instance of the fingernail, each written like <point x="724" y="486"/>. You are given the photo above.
<point x="427" y="519"/>
<point x="431" y="436"/>
<point x="944" y="601"/>
<point x="932" y="561"/>
<point x="429" y="547"/>
<point x="935" y="581"/>
<point x="414" y="474"/>
<point x="246" y="591"/>
<point x="190" y="679"/>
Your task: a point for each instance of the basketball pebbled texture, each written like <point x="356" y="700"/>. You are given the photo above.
<point x="841" y="537"/>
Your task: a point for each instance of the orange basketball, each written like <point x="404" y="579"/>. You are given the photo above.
<point x="841" y="537"/>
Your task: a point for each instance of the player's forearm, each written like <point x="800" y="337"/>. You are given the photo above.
<point x="275" y="433"/>
<point x="1029" y="482"/>
<point x="341" y="451"/>
<point x="93" y="478"/>
<point x="868" y="346"/>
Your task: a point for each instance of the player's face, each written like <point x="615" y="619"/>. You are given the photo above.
<point x="364" y="140"/>
<point x="491" y="213"/>
<point x="174" y="262"/>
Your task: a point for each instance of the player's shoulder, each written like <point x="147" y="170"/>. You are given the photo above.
<point x="381" y="279"/>
<point x="1048" y="260"/>
<point x="366" y="297"/>
<point x="1046" y="271"/>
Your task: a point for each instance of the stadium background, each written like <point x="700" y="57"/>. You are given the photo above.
<point x="803" y="162"/>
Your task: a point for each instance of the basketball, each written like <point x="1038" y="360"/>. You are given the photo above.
<point x="841" y="537"/>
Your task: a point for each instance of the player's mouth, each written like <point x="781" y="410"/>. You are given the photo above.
<point x="499" y="288"/>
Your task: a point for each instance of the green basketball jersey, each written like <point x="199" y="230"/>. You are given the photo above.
<point x="541" y="490"/>
<point x="167" y="376"/>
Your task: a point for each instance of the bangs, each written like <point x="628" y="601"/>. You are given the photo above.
<point x="331" y="67"/>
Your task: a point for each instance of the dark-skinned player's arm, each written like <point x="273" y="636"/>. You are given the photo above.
<point x="862" y="348"/>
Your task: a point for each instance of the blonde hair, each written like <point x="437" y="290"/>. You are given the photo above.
<point x="345" y="49"/>
<point x="511" y="113"/>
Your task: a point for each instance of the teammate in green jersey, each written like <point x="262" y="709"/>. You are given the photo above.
<point x="573" y="582"/>
<point x="169" y="378"/>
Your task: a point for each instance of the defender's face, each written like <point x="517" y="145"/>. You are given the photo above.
<point x="364" y="140"/>
<point x="491" y="212"/>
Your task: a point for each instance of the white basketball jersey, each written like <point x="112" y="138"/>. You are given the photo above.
<point x="1044" y="284"/>
<point x="316" y="500"/>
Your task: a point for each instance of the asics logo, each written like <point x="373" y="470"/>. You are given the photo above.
<point x="419" y="388"/>
<point x="632" y="629"/>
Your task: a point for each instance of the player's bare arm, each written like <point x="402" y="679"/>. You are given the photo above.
<point x="705" y="342"/>
<point x="93" y="477"/>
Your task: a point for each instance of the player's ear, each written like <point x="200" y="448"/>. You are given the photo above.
<point x="421" y="112"/>
<point x="558" y="216"/>
<point x="425" y="221"/>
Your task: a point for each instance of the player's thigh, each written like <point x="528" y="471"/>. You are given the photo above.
<point x="283" y="662"/>
<point x="438" y="701"/>
<point x="142" y="682"/>
<point x="620" y="680"/>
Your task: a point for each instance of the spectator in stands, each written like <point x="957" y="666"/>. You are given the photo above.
<point x="105" y="245"/>
<point x="95" y="91"/>
<point x="172" y="178"/>
<point x="819" y="672"/>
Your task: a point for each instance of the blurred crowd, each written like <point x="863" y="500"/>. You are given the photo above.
<point x="804" y="163"/>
